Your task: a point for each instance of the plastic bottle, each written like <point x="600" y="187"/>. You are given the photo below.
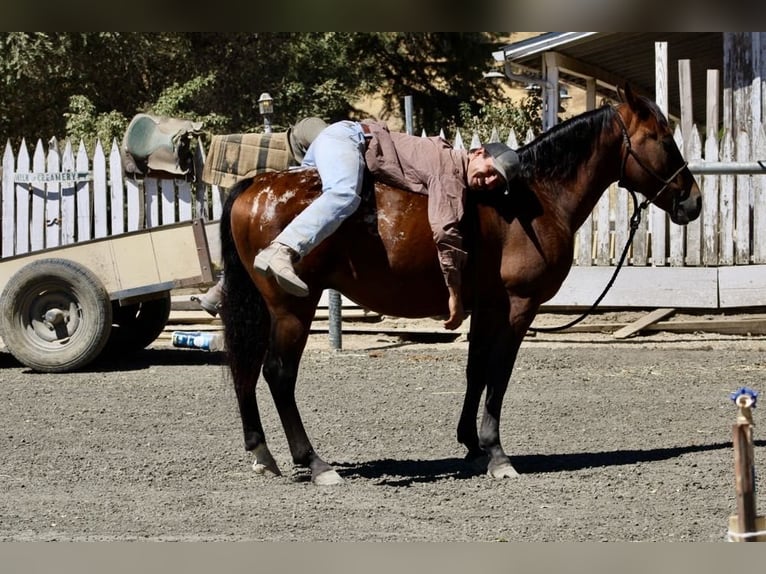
<point x="198" y="340"/>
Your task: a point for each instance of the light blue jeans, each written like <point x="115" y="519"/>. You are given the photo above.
<point x="338" y="155"/>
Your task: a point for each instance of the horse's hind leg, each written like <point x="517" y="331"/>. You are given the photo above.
<point x="288" y="339"/>
<point x="255" y="438"/>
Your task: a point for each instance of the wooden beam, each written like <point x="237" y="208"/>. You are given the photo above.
<point x="638" y="326"/>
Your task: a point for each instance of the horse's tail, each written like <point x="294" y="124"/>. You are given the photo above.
<point x="243" y="312"/>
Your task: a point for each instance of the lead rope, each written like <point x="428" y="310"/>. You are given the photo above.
<point x="635" y="219"/>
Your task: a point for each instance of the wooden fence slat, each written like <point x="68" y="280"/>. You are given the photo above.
<point x="584" y="242"/>
<point x="116" y="190"/>
<point x="710" y="203"/>
<point x="743" y="204"/>
<point x="693" y="252"/>
<point x="37" y="227"/>
<point x="133" y="193"/>
<point x="8" y="212"/>
<point x="68" y="198"/>
<point x="184" y="198"/>
<point x="23" y="200"/>
<point x="621" y="219"/>
<point x="168" y="203"/>
<point x="84" y="197"/>
<point x="52" y="198"/>
<point x="603" y="231"/>
<point x="759" y="199"/>
<point x="100" y="193"/>
<point x="676" y="233"/>
<point x="727" y="202"/>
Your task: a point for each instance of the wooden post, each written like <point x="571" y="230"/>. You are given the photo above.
<point x="747" y="521"/>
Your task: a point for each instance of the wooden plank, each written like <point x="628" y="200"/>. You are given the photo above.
<point x="640" y="324"/>
<point x="726" y="205"/>
<point x="644" y="287"/>
<point x="742" y="286"/>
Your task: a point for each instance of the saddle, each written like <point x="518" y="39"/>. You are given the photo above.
<point x="159" y="146"/>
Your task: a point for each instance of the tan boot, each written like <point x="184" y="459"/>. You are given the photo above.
<point x="277" y="260"/>
<point x="211" y="301"/>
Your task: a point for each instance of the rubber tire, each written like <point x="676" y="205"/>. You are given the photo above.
<point x="136" y="326"/>
<point x="48" y="284"/>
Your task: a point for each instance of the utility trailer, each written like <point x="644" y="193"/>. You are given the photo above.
<point x="61" y="308"/>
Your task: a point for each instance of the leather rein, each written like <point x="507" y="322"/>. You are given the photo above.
<point x="635" y="219"/>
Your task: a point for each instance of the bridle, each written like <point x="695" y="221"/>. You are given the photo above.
<point x="635" y="220"/>
<point x="629" y="151"/>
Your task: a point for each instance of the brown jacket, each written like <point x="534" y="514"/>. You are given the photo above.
<point x="430" y="166"/>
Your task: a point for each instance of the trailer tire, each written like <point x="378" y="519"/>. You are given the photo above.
<point x="55" y="315"/>
<point x="138" y="325"/>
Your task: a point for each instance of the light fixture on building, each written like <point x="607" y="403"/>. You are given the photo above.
<point x="266" y="107"/>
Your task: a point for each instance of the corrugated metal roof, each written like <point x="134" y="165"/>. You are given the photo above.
<point x="628" y="56"/>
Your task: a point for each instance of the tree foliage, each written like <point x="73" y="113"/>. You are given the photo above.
<point x="90" y="84"/>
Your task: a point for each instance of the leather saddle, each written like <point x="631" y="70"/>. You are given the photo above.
<point x="158" y="145"/>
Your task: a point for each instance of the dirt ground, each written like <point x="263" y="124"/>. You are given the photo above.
<point x="615" y="440"/>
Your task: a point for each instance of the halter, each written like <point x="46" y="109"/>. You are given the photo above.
<point x="630" y="152"/>
<point x="635" y="220"/>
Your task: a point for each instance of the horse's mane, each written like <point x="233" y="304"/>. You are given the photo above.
<point x="557" y="153"/>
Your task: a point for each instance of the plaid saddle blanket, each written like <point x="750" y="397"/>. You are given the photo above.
<point x="234" y="157"/>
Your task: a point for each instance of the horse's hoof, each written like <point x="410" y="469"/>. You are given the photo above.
<point x="265" y="470"/>
<point x="503" y="471"/>
<point x="328" y="478"/>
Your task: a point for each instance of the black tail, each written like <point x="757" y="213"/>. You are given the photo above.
<point x="243" y="313"/>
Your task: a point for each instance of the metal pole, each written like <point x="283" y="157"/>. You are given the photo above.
<point x="408" y="114"/>
<point x="727" y="167"/>
<point x="334" y="308"/>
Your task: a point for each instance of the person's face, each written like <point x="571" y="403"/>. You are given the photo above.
<point x="481" y="174"/>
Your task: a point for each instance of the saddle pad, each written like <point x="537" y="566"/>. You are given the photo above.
<point x="234" y="157"/>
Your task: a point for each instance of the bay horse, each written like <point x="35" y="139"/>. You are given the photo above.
<point x="384" y="258"/>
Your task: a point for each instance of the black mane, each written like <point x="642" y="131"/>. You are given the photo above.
<point x="558" y="152"/>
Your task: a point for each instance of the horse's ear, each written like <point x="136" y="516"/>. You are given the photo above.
<point x="620" y="94"/>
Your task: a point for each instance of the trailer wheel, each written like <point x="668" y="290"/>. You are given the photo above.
<point x="137" y="325"/>
<point x="55" y="315"/>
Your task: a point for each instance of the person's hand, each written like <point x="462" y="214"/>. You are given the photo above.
<point x="456" y="312"/>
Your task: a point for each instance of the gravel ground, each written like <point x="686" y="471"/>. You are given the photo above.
<point x="615" y="441"/>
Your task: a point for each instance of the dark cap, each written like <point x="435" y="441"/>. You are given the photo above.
<point x="504" y="159"/>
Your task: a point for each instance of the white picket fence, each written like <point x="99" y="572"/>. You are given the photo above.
<point x="52" y="198"/>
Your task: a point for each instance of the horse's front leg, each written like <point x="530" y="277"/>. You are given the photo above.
<point x="288" y="339"/>
<point x="492" y="354"/>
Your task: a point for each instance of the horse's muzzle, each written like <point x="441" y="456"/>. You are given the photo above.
<point x="689" y="208"/>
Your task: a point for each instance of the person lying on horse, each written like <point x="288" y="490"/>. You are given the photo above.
<point x="423" y="165"/>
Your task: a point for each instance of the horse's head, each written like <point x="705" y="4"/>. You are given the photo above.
<point x="652" y="164"/>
